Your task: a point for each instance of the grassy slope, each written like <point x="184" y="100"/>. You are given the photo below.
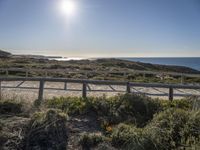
<point x="99" y="64"/>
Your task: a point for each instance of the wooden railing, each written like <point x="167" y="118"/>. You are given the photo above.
<point x="85" y="83"/>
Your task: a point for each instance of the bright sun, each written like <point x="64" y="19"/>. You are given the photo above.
<point x="68" y="7"/>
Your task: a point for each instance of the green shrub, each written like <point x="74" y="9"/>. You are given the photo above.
<point x="10" y="107"/>
<point x="170" y="129"/>
<point x="104" y="146"/>
<point x="121" y="108"/>
<point x="47" y="130"/>
<point x="185" y="104"/>
<point x="89" y="140"/>
<point x="125" y="108"/>
<point x="70" y="105"/>
<point x="167" y="129"/>
<point x="192" y="129"/>
<point x="130" y="137"/>
<point x="125" y="134"/>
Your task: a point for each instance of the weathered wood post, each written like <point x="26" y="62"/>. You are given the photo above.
<point x="171" y="94"/>
<point x="124" y="74"/>
<point x="65" y="86"/>
<point x="41" y="91"/>
<point x="144" y="75"/>
<point x="0" y="91"/>
<point x="182" y="79"/>
<point x="26" y="73"/>
<point x="46" y="74"/>
<point x="7" y="73"/>
<point x="128" y="87"/>
<point x="84" y="90"/>
<point x="86" y="75"/>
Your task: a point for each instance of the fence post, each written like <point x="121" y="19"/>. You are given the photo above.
<point x="144" y="75"/>
<point x="65" y="86"/>
<point x="86" y="75"/>
<point x="0" y="91"/>
<point x="26" y="73"/>
<point x="128" y="87"/>
<point x="182" y="79"/>
<point x="171" y="94"/>
<point x="45" y="73"/>
<point x="84" y="94"/>
<point x="124" y="75"/>
<point x="7" y="72"/>
<point x="41" y="90"/>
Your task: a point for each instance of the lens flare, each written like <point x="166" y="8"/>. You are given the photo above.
<point x="68" y="7"/>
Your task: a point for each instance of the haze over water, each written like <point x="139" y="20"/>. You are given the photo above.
<point x="192" y="62"/>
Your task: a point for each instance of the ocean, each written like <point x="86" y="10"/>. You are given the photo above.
<point x="192" y="62"/>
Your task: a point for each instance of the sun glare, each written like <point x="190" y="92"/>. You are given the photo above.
<point x="68" y="7"/>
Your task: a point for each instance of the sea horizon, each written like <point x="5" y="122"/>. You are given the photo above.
<point x="192" y="62"/>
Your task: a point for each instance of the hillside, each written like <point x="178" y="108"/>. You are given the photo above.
<point x="4" y="54"/>
<point x="144" y="66"/>
<point x="97" y="64"/>
<point x="88" y="69"/>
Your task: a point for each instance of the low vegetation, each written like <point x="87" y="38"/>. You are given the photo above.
<point x="10" y="107"/>
<point x="122" y="108"/>
<point x="84" y="68"/>
<point x="47" y="130"/>
<point x="134" y="122"/>
<point x="90" y="140"/>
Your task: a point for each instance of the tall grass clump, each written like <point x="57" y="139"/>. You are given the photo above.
<point x="47" y="130"/>
<point x="185" y="104"/>
<point x="175" y="128"/>
<point x="138" y="109"/>
<point x="70" y="105"/>
<point x="88" y="140"/>
<point x="128" y="136"/>
<point x="170" y="129"/>
<point x="10" y="107"/>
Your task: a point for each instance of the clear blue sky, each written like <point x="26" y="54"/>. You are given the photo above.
<point x="102" y="28"/>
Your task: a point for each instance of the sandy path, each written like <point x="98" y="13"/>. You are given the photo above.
<point x="75" y="90"/>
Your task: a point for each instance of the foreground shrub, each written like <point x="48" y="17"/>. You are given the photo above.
<point x="104" y="146"/>
<point x="125" y="108"/>
<point x="130" y="137"/>
<point x="185" y="104"/>
<point x="10" y="107"/>
<point x="88" y="140"/>
<point x="12" y="131"/>
<point x="172" y="128"/>
<point x="124" y="135"/>
<point x="70" y="105"/>
<point x="138" y="109"/>
<point x="192" y="129"/>
<point x="47" y="130"/>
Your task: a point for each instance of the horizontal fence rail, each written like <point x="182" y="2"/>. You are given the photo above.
<point x="85" y="85"/>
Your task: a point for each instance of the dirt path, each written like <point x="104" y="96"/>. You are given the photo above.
<point x="77" y="125"/>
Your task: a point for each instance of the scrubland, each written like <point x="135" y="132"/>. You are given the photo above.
<point x="128" y="121"/>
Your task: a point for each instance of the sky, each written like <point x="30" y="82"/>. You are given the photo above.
<point x="101" y="28"/>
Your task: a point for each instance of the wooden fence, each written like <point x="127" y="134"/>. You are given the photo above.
<point x="85" y="84"/>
